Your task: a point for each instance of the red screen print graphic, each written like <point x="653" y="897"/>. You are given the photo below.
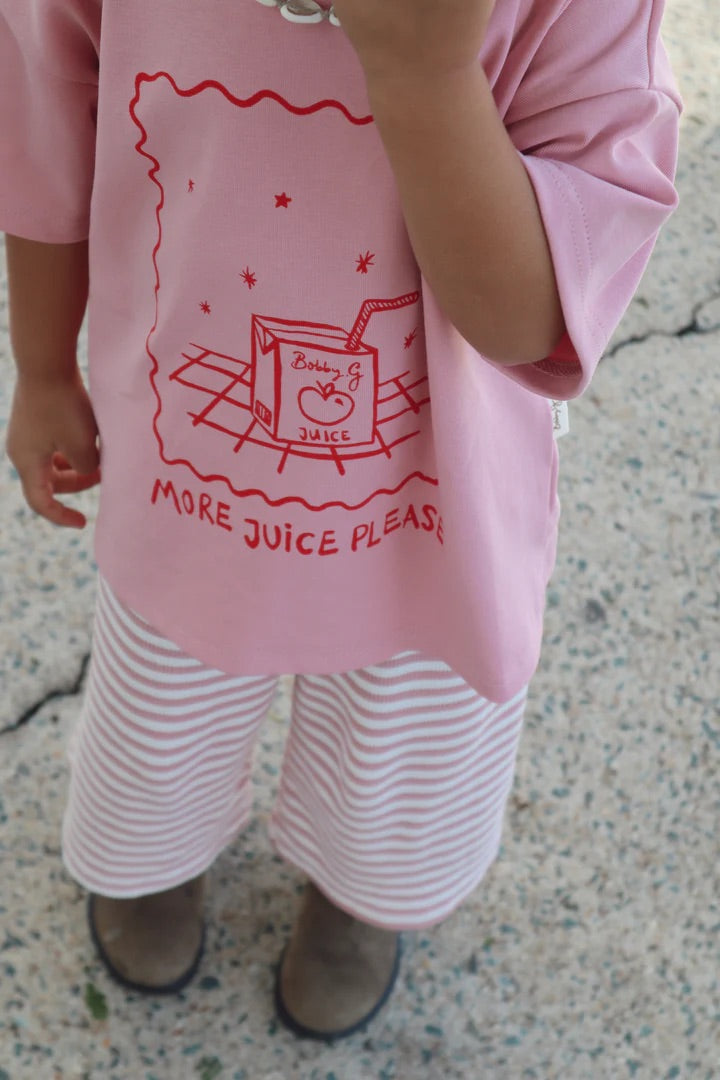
<point x="280" y="400"/>
<point x="292" y="409"/>
<point x="316" y="411"/>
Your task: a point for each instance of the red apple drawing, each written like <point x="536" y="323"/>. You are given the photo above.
<point x="326" y="405"/>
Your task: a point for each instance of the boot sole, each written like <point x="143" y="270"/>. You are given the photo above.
<point x="168" y="988"/>
<point x="329" y="1036"/>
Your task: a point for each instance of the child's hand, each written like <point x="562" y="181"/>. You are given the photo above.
<point x="417" y="39"/>
<point x="51" y="443"/>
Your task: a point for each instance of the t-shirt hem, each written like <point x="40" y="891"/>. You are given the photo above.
<point x="352" y="658"/>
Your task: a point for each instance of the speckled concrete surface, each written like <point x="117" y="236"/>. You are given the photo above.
<point x="592" y="949"/>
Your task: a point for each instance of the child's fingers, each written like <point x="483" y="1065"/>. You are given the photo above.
<point x="68" y="481"/>
<point x="85" y="459"/>
<point x="39" y="495"/>
<point x="71" y="483"/>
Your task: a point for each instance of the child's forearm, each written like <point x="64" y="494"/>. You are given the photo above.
<point x="48" y="291"/>
<point x="471" y="213"/>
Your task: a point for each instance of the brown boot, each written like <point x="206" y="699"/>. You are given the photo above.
<point x="335" y="973"/>
<point x="151" y="943"/>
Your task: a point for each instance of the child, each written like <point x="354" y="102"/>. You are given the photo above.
<point x="336" y="268"/>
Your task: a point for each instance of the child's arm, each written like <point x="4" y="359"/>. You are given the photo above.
<point x="587" y="107"/>
<point x="52" y="431"/>
<point x="471" y="213"/>
<point x="48" y="289"/>
<point x="469" y="206"/>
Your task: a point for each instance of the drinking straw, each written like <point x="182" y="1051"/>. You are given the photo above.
<point x="368" y="309"/>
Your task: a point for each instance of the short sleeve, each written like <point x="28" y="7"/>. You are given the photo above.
<point x="596" y="124"/>
<point x="48" y="108"/>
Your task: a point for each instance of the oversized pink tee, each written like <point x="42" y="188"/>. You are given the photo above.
<point x="305" y="467"/>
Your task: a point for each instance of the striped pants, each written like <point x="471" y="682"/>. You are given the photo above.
<point x="392" y="794"/>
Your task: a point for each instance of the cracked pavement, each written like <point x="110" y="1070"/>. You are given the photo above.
<point x="70" y="690"/>
<point x="603" y="907"/>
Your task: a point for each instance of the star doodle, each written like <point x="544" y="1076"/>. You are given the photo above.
<point x="364" y="261"/>
<point x="282" y="200"/>
<point x="205" y="307"/>
<point x="248" y="277"/>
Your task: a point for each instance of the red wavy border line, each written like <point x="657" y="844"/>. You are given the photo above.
<point x="139" y="146"/>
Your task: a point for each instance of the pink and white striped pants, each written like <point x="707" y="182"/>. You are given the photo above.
<point x="392" y="794"/>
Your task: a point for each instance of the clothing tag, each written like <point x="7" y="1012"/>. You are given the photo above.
<point x="561" y="418"/>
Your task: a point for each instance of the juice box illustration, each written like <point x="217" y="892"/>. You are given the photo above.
<point x="314" y="383"/>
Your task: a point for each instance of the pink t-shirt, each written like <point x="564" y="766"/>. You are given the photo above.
<point x="305" y="467"/>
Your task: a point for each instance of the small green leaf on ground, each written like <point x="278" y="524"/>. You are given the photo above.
<point x="96" y="1002"/>
<point x="209" y="1068"/>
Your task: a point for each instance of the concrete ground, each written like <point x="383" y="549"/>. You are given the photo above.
<point x="592" y="948"/>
